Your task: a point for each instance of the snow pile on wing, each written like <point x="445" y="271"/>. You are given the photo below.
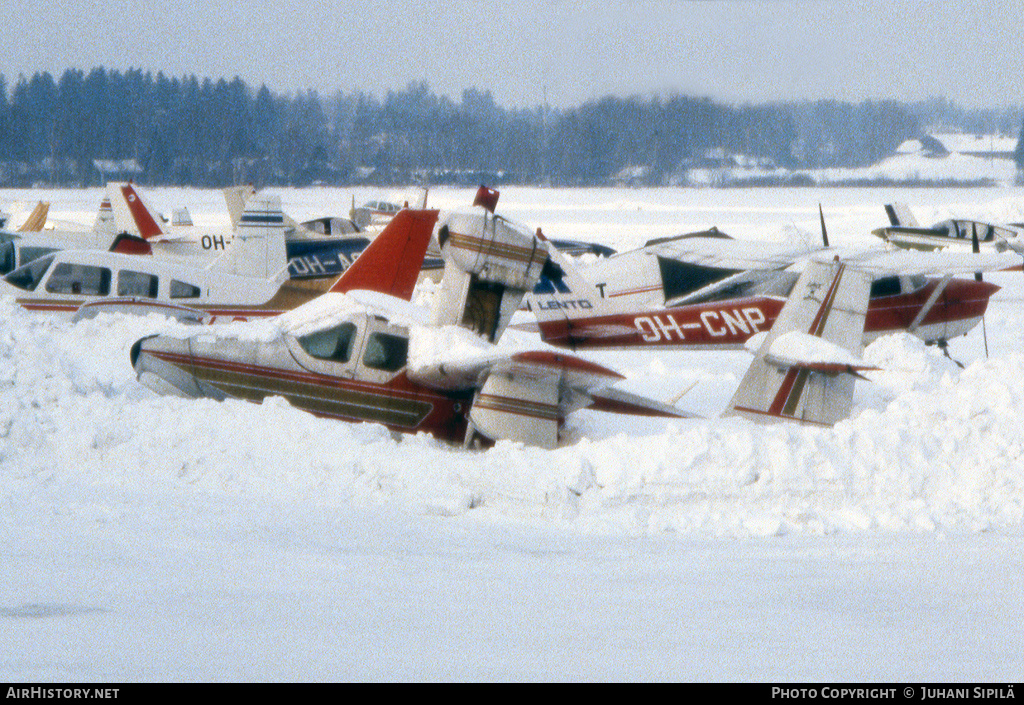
<point x="430" y="346"/>
<point x="323" y="312"/>
<point x="798" y="348"/>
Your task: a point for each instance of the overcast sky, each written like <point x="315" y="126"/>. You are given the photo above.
<point x="732" y="50"/>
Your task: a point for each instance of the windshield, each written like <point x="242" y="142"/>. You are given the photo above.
<point x="27" y="277"/>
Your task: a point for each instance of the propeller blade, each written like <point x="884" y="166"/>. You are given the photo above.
<point x="824" y="233"/>
<point x="975" y="246"/>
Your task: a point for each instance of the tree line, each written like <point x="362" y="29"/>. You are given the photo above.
<point x="86" y="126"/>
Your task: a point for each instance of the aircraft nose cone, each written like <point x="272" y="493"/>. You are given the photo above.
<point x="134" y="353"/>
<point x="162" y="364"/>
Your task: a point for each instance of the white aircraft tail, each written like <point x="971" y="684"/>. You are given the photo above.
<point x="804" y="367"/>
<point x="105" y="227"/>
<point x="900" y="215"/>
<point x="181" y="218"/>
<point x="490" y="264"/>
<point x="236" y="197"/>
<point x="562" y="295"/>
<point x="258" y="246"/>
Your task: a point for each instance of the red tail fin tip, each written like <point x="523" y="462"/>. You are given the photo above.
<point x="391" y="263"/>
<point x="140" y="214"/>
<point x="486" y="197"/>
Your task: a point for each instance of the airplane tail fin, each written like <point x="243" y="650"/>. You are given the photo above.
<point x="181" y="218"/>
<point x="235" y="197"/>
<point x="258" y="246"/>
<point x="36" y="220"/>
<point x="105" y="225"/>
<point x="900" y="215"/>
<point x="804" y="367"/>
<point x="391" y="263"/>
<point x="131" y="215"/>
<point x="490" y="264"/>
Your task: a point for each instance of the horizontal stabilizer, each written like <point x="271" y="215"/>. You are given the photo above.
<point x="809" y="352"/>
<point x="617" y="401"/>
<point x="131" y="245"/>
<point x="793" y="377"/>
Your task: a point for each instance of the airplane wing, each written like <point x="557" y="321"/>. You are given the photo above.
<point x="805" y="366"/>
<point x="906" y="262"/>
<point x="521" y="396"/>
<point x="725" y="253"/>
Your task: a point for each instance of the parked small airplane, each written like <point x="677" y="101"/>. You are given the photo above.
<point x="250" y="280"/>
<point x="316" y="249"/>
<point x="20" y="247"/>
<point x="363" y="353"/>
<point x="572" y="313"/>
<point x="905" y="232"/>
<point x="375" y="213"/>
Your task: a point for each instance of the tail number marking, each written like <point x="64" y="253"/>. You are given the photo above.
<point x="740" y="323"/>
<point x="211" y="242"/>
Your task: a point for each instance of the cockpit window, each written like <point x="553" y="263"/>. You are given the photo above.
<point x="131" y="283"/>
<point x="79" y="279"/>
<point x="184" y="290"/>
<point x="917" y="281"/>
<point x="27" y="277"/>
<point x="886" y="286"/>
<point x="6" y="257"/>
<point x="331" y="344"/>
<point x="386" y="352"/>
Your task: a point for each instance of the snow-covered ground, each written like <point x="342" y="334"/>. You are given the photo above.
<point x="152" y="538"/>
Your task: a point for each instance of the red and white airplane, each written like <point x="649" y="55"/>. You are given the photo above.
<point x="717" y="307"/>
<point x="363" y="353"/>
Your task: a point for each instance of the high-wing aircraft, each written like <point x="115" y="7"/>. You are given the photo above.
<point x="571" y="311"/>
<point x="904" y="231"/>
<point x="363" y="353"/>
<point x="250" y="280"/>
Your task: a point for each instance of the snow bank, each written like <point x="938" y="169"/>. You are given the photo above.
<point x="936" y="449"/>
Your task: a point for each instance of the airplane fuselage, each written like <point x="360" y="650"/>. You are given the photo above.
<point x="729" y="324"/>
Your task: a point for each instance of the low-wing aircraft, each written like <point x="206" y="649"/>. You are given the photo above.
<point x="958" y="234"/>
<point x="250" y="280"/>
<point x="316" y="249"/>
<point x="363" y="353"/>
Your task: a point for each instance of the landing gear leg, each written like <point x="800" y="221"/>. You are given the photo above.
<point x="944" y="347"/>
